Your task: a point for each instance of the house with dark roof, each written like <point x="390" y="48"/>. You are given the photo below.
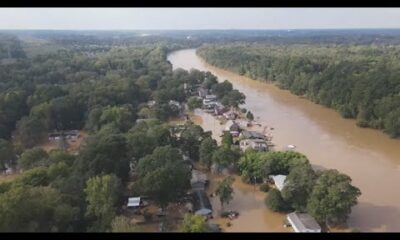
<point x="256" y="144"/>
<point x="252" y="135"/>
<point x="233" y="128"/>
<point x="303" y="222"/>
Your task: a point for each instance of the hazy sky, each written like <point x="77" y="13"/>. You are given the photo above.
<point x="198" y="18"/>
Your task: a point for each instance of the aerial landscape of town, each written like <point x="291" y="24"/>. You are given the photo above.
<point x="280" y="127"/>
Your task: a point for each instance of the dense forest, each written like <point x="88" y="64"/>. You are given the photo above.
<point x="123" y="93"/>
<point x="360" y="81"/>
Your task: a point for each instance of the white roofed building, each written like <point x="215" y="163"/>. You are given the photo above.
<point x="279" y="181"/>
<point x="303" y="222"/>
<point x="134" y="202"/>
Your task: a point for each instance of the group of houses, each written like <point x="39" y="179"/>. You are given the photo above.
<point x="300" y="222"/>
<point x="71" y="134"/>
<point x="234" y="125"/>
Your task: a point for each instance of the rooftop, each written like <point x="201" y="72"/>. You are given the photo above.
<point x="253" y="135"/>
<point x="303" y="222"/>
<point x="279" y="181"/>
<point x="133" y="202"/>
<point x="201" y="203"/>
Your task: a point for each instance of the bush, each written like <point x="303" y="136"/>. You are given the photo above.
<point x="275" y="202"/>
<point x="147" y="216"/>
<point x="264" y="187"/>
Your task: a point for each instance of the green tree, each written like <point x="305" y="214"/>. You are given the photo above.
<point x="250" y="116"/>
<point x="233" y="99"/>
<point x="392" y="123"/>
<point x="33" y="158"/>
<point x="194" y="102"/>
<point x="162" y="175"/>
<point x="104" y="153"/>
<point x="36" y="209"/>
<point x="190" y="140"/>
<point x="102" y="194"/>
<point x="227" y="140"/>
<point x="122" y="116"/>
<point x="225" y="191"/>
<point x="225" y="157"/>
<point x="194" y="223"/>
<point x="207" y="148"/>
<point x="332" y="198"/>
<point x="122" y="224"/>
<point x="275" y="202"/>
<point x="7" y="154"/>
<point x="298" y="186"/>
<point x="31" y="131"/>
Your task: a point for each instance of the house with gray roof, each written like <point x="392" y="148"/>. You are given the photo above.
<point x="303" y="222"/>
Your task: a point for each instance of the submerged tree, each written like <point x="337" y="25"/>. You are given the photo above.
<point x="225" y="190"/>
<point x="332" y="198"/>
<point x="194" y="223"/>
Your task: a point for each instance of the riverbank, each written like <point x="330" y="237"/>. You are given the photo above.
<point x="368" y="156"/>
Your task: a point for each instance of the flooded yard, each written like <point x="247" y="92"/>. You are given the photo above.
<point x="248" y="200"/>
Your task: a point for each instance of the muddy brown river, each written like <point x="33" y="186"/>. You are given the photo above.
<point x="369" y="157"/>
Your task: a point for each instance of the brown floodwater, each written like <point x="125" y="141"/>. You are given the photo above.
<point x="254" y="216"/>
<point x="369" y="157"/>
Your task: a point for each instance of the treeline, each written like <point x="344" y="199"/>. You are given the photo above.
<point x="359" y="81"/>
<point x="10" y="47"/>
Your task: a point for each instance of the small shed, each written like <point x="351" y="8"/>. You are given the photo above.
<point x="279" y="181"/>
<point x="303" y="222"/>
<point x="134" y="202"/>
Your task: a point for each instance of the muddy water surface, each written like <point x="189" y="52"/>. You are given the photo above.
<point x="371" y="158"/>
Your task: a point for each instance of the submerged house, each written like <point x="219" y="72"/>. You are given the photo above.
<point x="252" y="135"/>
<point x="230" y="115"/>
<point x="256" y="144"/>
<point x="201" y="203"/>
<point x="219" y="109"/>
<point x="303" y="222"/>
<point x="233" y="128"/>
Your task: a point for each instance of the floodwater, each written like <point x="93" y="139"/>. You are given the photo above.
<point x="248" y="200"/>
<point x="369" y="157"/>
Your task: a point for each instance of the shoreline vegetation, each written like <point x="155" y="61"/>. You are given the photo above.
<point x="123" y="94"/>
<point x="358" y="81"/>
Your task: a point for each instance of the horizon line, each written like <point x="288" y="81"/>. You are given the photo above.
<point x="205" y="29"/>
